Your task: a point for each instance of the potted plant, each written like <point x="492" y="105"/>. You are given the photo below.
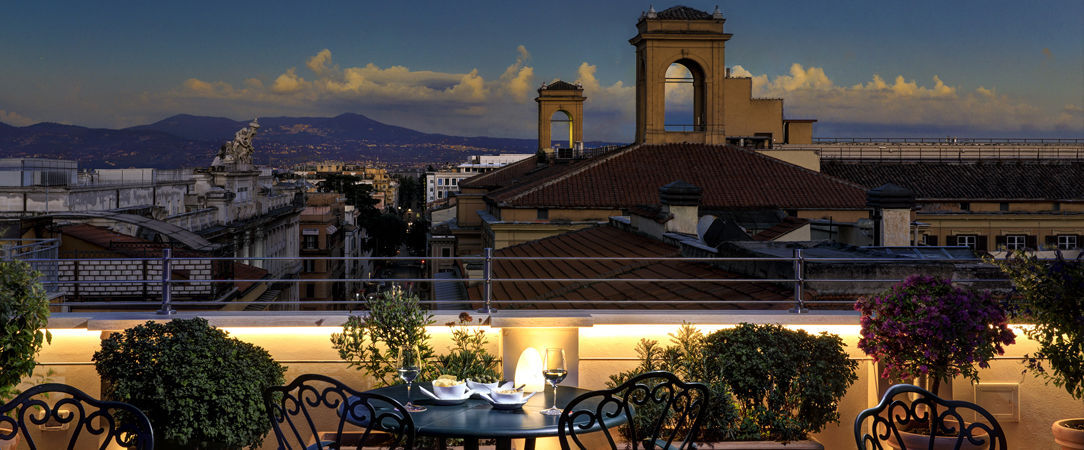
<point x="468" y="357"/>
<point x="786" y="384"/>
<point x="24" y="314"/>
<point x="199" y="387"/>
<point x="767" y="383"/>
<point x="926" y="328"/>
<point x="371" y="343"/>
<point x="1051" y="298"/>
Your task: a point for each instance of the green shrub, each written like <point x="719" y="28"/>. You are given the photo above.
<point x="786" y="383"/>
<point x="24" y="313"/>
<point x="1051" y="296"/>
<point x="684" y="358"/>
<point x="199" y="387"/>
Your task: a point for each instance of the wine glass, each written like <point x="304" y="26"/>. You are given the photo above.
<point x="410" y="365"/>
<point x="554" y="371"/>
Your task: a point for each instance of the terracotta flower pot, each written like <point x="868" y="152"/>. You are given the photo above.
<point x="1068" y="438"/>
<point x="916" y="441"/>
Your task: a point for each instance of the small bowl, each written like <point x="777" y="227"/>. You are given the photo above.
<point x="507" y="396"/>
<point x="451" y="392"/>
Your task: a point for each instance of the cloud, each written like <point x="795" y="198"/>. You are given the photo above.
<point x="810" y="92"/>
<point x="15" y="119"/>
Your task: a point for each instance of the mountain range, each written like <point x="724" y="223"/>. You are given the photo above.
<point x="192" y="141"/>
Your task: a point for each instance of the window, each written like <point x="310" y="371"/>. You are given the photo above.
<point x="310" y="242"/>
<point x="445" y="252"/>
<point x="543" y="214"/>
<point x="1067" y="242"/>
<point x="310" y="290"/>
<point x="455" y="181"/>
<point x="308" y="265"/>
<point x="969" y="240"/>
<point x="1015" y="242"/>
<point x="965" y="206"/>
<point x="440" y="194"/>
<point x="1003" y="206"/>
<point x="1056" y="206"/>
<point x="440" y="182"/>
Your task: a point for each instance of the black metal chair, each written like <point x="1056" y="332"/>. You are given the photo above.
<point x="913" y="409"/>
<point x="661" y="412"/>
<point x="362" y="420"/>
<point x="106" y="422"/>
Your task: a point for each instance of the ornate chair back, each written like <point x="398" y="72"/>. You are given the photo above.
<point x="319" y="412"/>
<point x="661" y="412"/>
<point x="82" y="417"/>
<point x="905" y="407"/>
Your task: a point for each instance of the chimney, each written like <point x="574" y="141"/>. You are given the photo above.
<point x="682" y="200"/>
<point x="892" y="206"/>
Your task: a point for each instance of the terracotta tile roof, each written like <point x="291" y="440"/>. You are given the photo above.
<point x="558" y="85"/>
<point x="970" y="180"/>
<point x="140" y="248"/>
<point x="730" y="176"/>
<point x="789" y="223"/>
<point x="101" y="237"/>
<point x="683" y="13"/>
<point x="607" y="241"/>
<point x="502" y="176"/>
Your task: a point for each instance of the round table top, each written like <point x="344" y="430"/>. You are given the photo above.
<point x="476" y="417"/>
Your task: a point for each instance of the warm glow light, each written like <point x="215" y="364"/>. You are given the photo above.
<point x="74" y="332"/>
<point x="284" y="331"/>
<point x="529" y="370"/>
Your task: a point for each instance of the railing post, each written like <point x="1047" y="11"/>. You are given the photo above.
<point x="487" y="282"/>
<point x="799" y="280"/>
<point x="167" y="307"/>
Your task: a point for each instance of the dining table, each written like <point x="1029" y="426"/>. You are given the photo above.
<point x="475" y="419"/>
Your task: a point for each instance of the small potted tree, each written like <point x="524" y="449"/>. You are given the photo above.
<point x="926" y="328"/>
<point x="371" y="343"/>
<point x="24" y="314"/>
<point x="1051" y="298"/>
<point x="199" y="387"/>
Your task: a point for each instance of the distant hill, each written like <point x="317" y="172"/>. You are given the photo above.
<point x="192" y="141"/>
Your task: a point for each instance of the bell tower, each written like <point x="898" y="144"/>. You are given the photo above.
<point x="560" y="101"/>
<point x="695" y="40"/>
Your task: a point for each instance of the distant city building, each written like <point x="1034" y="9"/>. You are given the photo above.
<point x="439" y="184"/>
<point x="323" y="229"/>
<point x="230" y="209"/>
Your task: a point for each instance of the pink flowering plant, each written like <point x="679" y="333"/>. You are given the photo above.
<point x="925" y="326"/>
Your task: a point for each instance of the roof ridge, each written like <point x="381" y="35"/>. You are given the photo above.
<point x="493" y="173"/>
<point x="593" y="162"/>
<point x="801" y="168"/>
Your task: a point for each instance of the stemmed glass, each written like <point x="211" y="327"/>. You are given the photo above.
<point x="410" y="365"/>
<point x="554" y="371"/>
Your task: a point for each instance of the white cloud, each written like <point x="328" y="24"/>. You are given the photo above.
<point x="15" y="119"/>
<point x="810" y="92"/>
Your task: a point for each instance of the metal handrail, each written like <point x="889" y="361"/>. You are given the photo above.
<point x="166" y="303"/>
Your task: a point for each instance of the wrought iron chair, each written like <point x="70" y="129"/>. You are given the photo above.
<point x="914" y="409"/>
<point x="80" y="415"/>
<point x="661" y="412"/>
<point x="362" y="420"/>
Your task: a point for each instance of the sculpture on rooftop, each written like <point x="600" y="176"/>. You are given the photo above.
<point x="239" y="150"/>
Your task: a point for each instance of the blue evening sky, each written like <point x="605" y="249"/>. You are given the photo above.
<point x="1006" y="68"/>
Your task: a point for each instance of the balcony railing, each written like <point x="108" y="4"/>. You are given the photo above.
<point x="169" y="282"/>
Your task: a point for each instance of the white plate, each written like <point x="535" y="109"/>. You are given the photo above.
<point x="498" y="405"/>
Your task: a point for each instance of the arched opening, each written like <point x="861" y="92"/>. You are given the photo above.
<point x="684" y="105"/>
<point x="561" y="129"/>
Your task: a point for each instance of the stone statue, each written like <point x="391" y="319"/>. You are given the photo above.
<point x="239" y="150"/>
